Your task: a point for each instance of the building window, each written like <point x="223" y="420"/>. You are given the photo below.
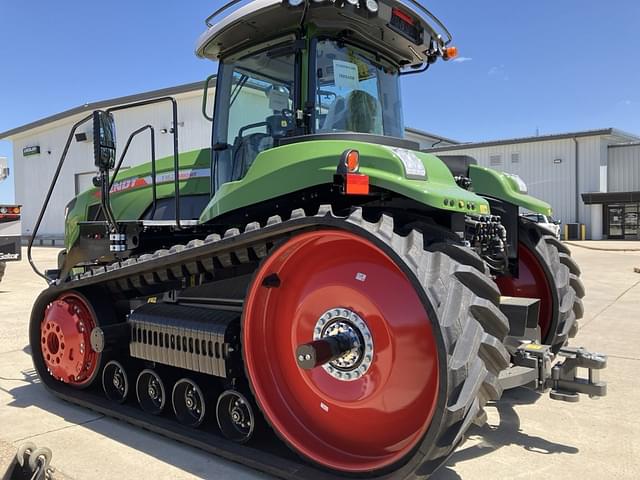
<point x="515" y="158"/>
<point x="495" y="160"/>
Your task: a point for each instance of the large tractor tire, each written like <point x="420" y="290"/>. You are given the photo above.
<point x="433" y="348"/>
<point x="3" y="267"/>
<point x="547" y="271"/>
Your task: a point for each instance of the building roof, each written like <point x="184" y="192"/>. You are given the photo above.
<point x="541" y="138"/>
<point x="89" y="107"/>
<point x="187" y="87"/>
<point x="432" y="135"/>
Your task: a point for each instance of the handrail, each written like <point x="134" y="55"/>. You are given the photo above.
<point x="432" y="17"/>
<point x="50" y="192"/>
<point x="116" y="170"/>
<point x="205" y="97"/>
<point x="176" y="158"/>
<point x="219" y="11"/>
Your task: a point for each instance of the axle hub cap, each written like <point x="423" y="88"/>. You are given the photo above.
<point x="64" y="337"/>
<point x="354" y="363"/>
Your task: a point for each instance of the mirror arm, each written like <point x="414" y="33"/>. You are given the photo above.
<point x="50" y="192"/>
<point x="105" y="201"/>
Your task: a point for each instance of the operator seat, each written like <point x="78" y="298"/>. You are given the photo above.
<point x="246" y="149"/>
<point x="359" y="112"/>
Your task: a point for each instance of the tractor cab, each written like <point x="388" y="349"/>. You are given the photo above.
<point x="292" y="69"/>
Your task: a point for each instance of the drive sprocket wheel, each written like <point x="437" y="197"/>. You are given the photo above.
<point x="547" y="272"/>
<point x="427" y="347"/>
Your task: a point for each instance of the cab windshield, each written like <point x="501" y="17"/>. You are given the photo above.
<point x="354" y="92"/>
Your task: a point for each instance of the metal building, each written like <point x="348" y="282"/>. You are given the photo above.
<point x="620" y="203"/>
<point x="584" y="175"/>
<point x="37" y="147"/>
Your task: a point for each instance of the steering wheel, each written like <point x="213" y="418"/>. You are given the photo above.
<point x="249" y="127"/>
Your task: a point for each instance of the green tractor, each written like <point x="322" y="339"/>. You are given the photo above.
<point x="311" y="296"/>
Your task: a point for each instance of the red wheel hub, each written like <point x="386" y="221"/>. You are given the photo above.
<point x="532" y="283"/>
<point x="357" y="425"/>
<point x="65" y="340"/>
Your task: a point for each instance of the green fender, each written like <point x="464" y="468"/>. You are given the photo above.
<point x="277" y="172"/>
<point x="492" y="183"/>
<point x="289" y="168"/>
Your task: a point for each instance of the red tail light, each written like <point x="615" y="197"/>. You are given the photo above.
<point x="356" y="184"/>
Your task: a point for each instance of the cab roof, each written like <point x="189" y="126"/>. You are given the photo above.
<point x="402" y="30"/>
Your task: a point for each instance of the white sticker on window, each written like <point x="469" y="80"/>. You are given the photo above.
<point x="345" y="74"/>
<point x="278" y="100"/>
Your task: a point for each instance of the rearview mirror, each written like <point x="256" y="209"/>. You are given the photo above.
<point x="104" y="140"/>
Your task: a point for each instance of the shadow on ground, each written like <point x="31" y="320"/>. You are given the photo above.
<point x="507" y="432"/>
<point x="491" y="437"/>
<point x="33" y="393"/>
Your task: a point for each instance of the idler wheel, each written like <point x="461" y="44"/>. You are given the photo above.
<point x="65" y="340"/>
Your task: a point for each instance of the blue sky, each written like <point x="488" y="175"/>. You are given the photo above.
<point x="545" y="65"/>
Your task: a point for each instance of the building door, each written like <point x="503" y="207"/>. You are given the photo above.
<point x="631" y="221"/>
<point x="615" y="214"/>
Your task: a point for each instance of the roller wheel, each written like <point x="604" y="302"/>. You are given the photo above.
<point x="419" y="339"/>
<point x="115" y="382"/>
<point x="189" y="403"/>
<point x="548" y="272"/>
<point x="151" y="392"/>
<point x="235" y="416"/>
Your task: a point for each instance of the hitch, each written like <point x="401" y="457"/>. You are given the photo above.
<point x="566" y="385"/>
<point x="533" y="368"/>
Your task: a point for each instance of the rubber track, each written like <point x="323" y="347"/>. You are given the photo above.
<point x="471" y="325"/>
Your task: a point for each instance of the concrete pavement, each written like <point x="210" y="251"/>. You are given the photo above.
<point x="527" y="436"/>
<point x="607" y="245"/>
